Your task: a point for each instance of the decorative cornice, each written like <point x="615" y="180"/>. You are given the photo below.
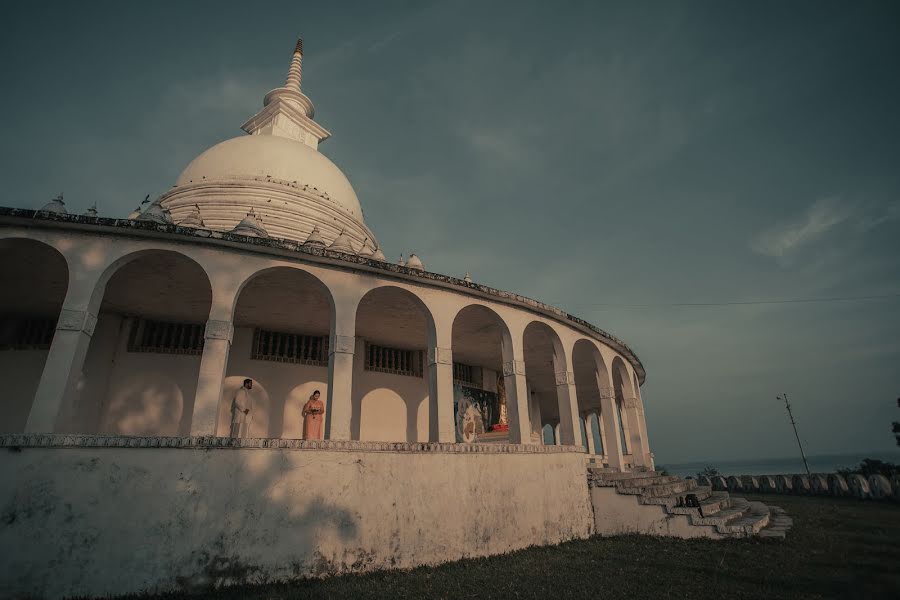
<point x="440" y="356"/>
<point x="61" y="440"/>
<point x="219" y="330"/>
<point x="513" y="367"/>
<point x="76" y="320"/>
<point x="144" y="228"/>
<point x="565" y="378"/>
<point x="342" y="344"/>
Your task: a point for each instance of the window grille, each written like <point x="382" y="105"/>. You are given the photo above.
<point x="162" y="337"/>
<point x="290" y="347"/>
<point x="31" y="333"/>
<point x="394" y="360"/>
<point x="464" y="374"/>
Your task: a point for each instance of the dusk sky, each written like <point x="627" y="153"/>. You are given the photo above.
<point x="670" y="172"/>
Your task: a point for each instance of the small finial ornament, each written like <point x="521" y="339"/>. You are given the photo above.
<point x="251" y="226"/>
<point x="415" y="263"/>
<point x="342" y="243"/>
<point x="401" y="262"/>
<point x="315" y="238"/>
<point x="467" y="278"/>
<point x="156" y="213"/>
<point x="55" y="206"/>
<point x="92" y="211"/>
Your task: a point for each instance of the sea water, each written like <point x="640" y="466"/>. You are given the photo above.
<point x="822" y="463"/>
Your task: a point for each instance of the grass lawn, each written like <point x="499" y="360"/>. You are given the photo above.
<point x="838" y="548"/>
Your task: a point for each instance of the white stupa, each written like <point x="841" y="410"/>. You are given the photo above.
<point x="277" y="170"/>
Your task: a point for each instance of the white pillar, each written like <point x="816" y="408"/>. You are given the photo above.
<point x="567" y="400"/>
<point x="62" y="368"/>
<point x="213" y="364"/>
<point x="589" y="434"/>
<point x="638" y="445"/>
<point x="339" y="408"/>
<point x="440" y="394"/>
<point x="517" y="401"/>
<point x="611" y="424"/>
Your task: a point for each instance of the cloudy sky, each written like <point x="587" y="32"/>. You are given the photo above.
<point x="664" y="170"/>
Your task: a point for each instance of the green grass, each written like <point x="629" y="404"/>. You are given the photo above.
<point x="838" y="548"/>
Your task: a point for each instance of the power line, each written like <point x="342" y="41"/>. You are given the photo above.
<point x="739" y="303"/>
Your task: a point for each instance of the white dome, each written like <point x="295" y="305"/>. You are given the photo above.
<point x="262" y="156"/>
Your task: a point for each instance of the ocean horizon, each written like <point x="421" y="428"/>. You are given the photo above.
<point x="820" y="463"/>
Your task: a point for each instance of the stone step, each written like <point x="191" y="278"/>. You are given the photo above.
<point x="612" y="475"/>
<point x="648" y="481"/>
<point x="754" y="519"/>
<point x="710" y="504"/>
<point x="666" y="489"/>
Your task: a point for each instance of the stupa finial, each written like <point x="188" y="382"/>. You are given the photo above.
<point x="295" y="73"/>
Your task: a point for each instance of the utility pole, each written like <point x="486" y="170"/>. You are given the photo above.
<point x="791" y="415"/>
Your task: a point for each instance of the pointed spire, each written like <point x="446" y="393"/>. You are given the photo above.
<point x="365" y="250"/>
<point x="92" y="211"/>
<point x="295" y="73"/>
<point x="288" y="112"/>
<point x="467" y="278"/>
<point x="401" y="262"/>
<point x="251" y="226"/>
<point x="55" y="206"/>
<point x="315" y="238"/>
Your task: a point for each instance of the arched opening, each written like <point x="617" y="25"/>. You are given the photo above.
<point x="140" y="372"/>
<point x="34" y="278"/>
<point x="480" y="397"/>
<point x="625" y="400"/>
<point x="282" y="321"/>
<point x="543" y="359"/>
<point x="390" y="369"/>
<point x="591" y="384"/>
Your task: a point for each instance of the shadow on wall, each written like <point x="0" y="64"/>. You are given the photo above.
<point x="386" y="416"/>
<point x="206" y="520"/>
<point x="145" y="405"/>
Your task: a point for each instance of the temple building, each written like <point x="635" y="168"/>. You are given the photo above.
<point x="123" y="342"/>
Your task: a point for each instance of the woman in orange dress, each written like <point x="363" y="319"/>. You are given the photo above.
<point x="313" y="417"/>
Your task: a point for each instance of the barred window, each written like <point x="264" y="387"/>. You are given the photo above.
<point x="30" y="333"/>
<point x="163" y="337"/>
<point x="394" y="360"/>
<point x="464" y="374"/>
<point x="290" y="347"/>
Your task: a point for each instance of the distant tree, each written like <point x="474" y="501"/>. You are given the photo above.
<point x="708" y="472"/>
<point x="872" y="466"/>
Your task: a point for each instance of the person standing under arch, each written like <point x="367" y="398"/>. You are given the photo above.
<point x="240" y="410"/>
<point x="313" y="417"/>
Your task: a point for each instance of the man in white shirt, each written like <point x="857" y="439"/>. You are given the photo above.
<point x="240" y="410"/>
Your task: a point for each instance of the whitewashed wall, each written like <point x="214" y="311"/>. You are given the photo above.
<point x="94" y="521"/>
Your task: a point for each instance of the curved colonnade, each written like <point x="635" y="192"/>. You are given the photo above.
<point x="155" y="328"/>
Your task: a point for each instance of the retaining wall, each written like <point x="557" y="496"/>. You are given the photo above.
<point x="106" y="515"/>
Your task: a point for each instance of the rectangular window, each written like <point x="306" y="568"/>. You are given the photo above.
<point x="464" y="374"/>
<point x="290" y="347"/>
<point x="162" y="337"/>
<point x="32" y="333"/>
<point x="394" y="360"/>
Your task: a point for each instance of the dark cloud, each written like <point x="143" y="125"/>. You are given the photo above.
<point x="593" y="155"/>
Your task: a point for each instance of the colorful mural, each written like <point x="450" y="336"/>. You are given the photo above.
<point x="474" y="411"/>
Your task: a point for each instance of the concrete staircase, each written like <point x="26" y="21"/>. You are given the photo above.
<point x="647" y="502"/>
